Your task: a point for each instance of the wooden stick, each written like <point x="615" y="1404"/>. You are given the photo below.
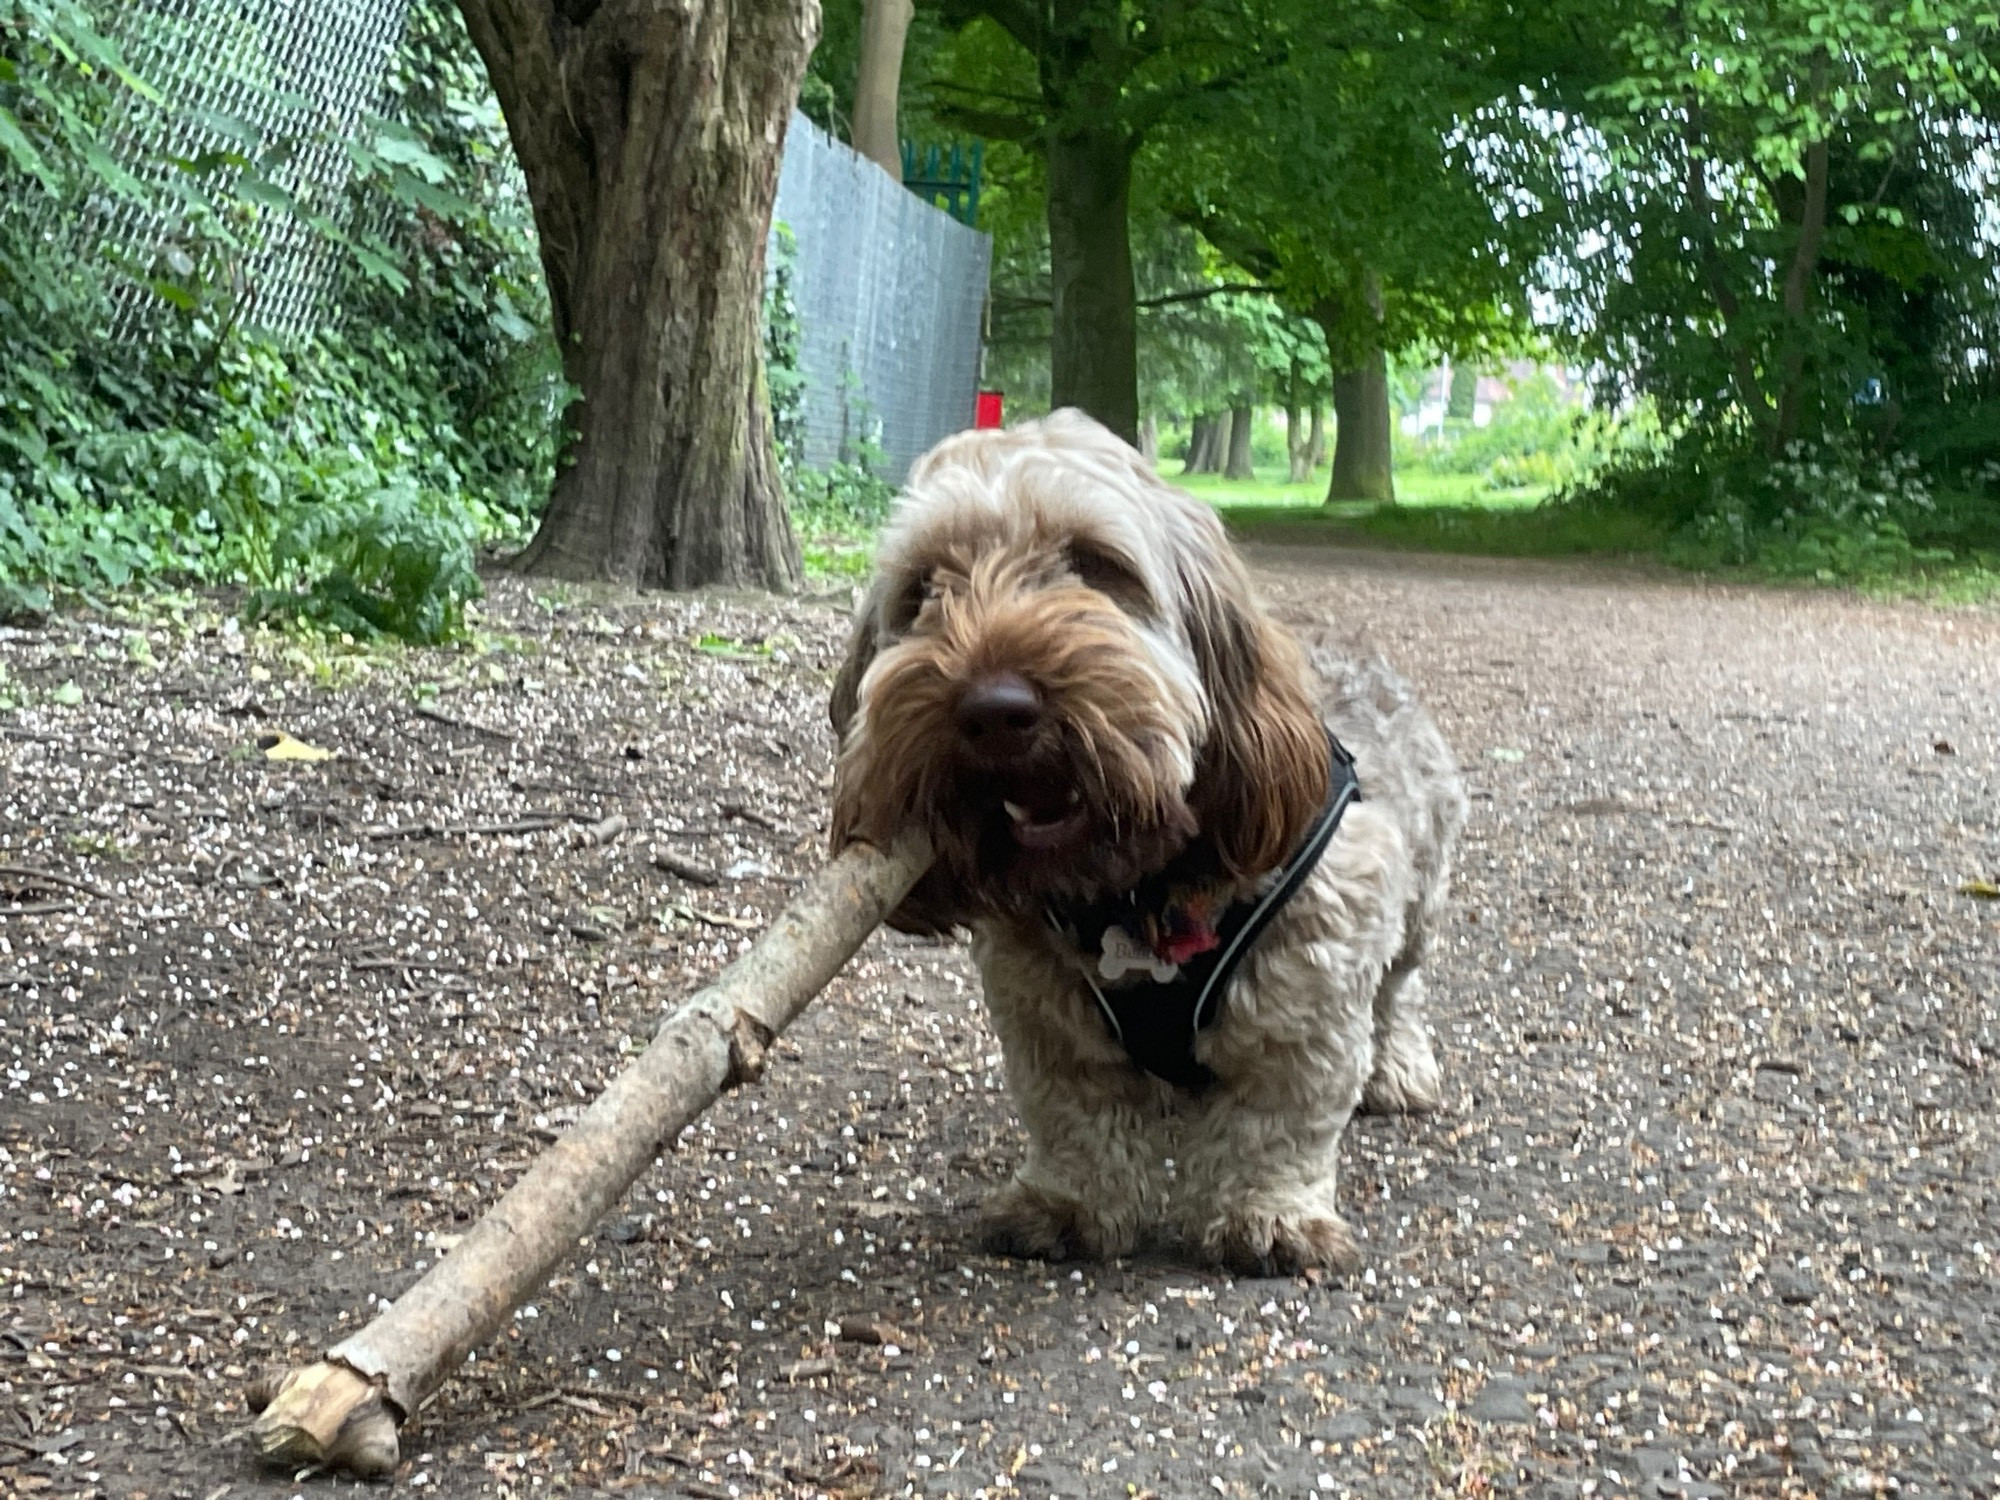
<point x="342" y="1412"/>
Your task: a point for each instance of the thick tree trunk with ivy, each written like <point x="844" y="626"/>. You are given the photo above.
<point x="885" y="27"/>
<point x="1094" y="338"/>
<point x="1238" y="464"/>
<point x="649" y="132"/>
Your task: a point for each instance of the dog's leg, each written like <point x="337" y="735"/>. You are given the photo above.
<point x="1406" y="1079"/>
<point x="1092" y="1168"/>
<point x="1258" y="1190"/>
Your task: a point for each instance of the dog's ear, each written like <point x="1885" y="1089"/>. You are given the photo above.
<point x="1264" y="770"/>
<point x="937" y="904"/>
<point x="863" y="641"/>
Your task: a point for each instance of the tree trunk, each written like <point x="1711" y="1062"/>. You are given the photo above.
<point x="1298" y="446"/>
<point x="885" y="25"/>
<point x="1149" y="440"/>
<point x="1362" y="452"/>
<point x="1201" y="445"/>
<point x="1362" y="457"/>
<point x="1795" y="300"/>
<point x="1094" y="337"/>
<point x="1316" y="439"/>
<point x="1215" y="438"/>
<point x="649" y="132"/>
<point x="1197" y="426"/>
<point x="1239" y="465"/>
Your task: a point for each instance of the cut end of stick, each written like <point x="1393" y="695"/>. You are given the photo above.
<point x="326" y="1416"/>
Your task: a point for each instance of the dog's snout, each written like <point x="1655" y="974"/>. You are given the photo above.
<point x="999" y="714"/>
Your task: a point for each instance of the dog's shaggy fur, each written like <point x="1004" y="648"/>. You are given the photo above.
<point x="1171" y="716"/>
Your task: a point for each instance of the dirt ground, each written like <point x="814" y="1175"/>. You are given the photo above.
<point x="1712" y="1210"/>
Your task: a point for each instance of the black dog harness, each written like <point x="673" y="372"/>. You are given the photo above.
<point x="1144" y="930"/>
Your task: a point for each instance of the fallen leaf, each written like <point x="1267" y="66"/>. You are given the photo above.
<point x="1984" y="890"/>
<point x="1503" y="752"/>
<point x="281" y="746"/>
<point x="68" y="695"/>
<point x="731" y="650"/>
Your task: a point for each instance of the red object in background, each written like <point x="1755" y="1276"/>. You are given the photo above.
<point x="987" y="413"/>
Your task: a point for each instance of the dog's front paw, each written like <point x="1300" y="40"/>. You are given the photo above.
<point x="1403" y="1088"/>
<point x="1407" y="1079"/>
<point x="1031" y="1222"/>
<point x="1264" y="1244"/>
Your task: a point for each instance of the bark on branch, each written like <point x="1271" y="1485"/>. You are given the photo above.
<point x="342" y="1413"/>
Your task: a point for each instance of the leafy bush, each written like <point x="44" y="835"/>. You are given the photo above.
<point x="1838" y="511"/>
<point x="378" y="565"/>
<point x="1535" y="439"/>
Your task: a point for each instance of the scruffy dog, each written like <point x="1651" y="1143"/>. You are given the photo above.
<point x="1128" y="772"/>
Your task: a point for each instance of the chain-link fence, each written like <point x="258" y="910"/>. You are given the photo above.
<point x="286" y="83"/>
<point x="891" y="294"/>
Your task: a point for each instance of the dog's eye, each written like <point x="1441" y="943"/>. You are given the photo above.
<point x="909" y="602"/>
<point x="1110" y="576"/>
<point x="919" y="590"/>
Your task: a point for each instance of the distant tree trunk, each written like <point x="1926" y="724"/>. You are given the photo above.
<point x="1149" y="439"/>
<point x="1363" y="466"/>
<point x="1298" y="446"/>
<point x="1316" y="439"/>
<point x="885" y="25"/>
<point x="1197" y="431"/>
<point x="1363" y="462"/>
<point x="1094" y="336"/>
<point x="649" y="133"/>
<point x="1239" y="465"/>
<point x="1789" y="414"/>
<point x="1205" y="452"/>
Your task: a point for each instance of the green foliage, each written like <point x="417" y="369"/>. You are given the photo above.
<point x="378" y="565"/>
<point x="1771" y="196"/>
<point x="1536" y="439"/>
<point x="839" y="509"/>
<point x="785" y="379"/>
<point x="345" y="475"/>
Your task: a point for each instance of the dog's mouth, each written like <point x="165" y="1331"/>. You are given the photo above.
<point x="1043" y="815"/>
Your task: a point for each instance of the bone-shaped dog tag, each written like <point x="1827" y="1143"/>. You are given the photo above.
<point x="1122" y="955"/>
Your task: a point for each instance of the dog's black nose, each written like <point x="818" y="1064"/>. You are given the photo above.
<point x="998" y="715"/>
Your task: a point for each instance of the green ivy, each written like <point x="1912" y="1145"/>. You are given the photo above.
<point x="346" y="476"/>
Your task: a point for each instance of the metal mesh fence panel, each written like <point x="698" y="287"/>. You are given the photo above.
<point x="891" y="294"/>
<point x="290" y="79"/>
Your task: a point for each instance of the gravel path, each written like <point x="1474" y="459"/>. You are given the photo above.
<point x="1712" y="1209"/>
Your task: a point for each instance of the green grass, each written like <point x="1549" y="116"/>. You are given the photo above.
<point x="1460" y="513"/>
<point x="1433" y="513"/>
<point x="1414" y="489"/>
